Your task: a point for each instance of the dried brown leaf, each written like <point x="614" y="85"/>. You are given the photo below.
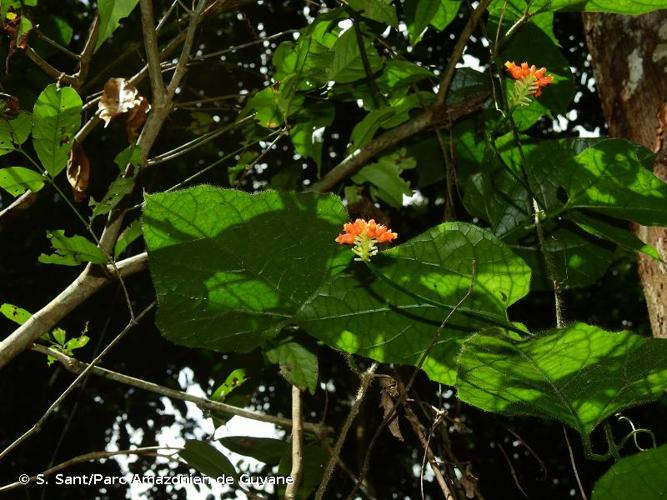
<point x="9" y="106"/>
<point x="119" y="97"/>
<point x="388" y="392"/>
<point x="78" y="172"/>
<point x="135" y="119"/>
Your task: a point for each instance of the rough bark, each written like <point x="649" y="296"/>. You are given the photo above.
<point x="630" y="65"/>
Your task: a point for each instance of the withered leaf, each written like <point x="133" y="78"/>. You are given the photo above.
<point x="78" y="172"/>
<point x="387" y="392"/>
<point x="119" y="97"/>
<point x="9" y="106"/>
<point x="136" y="118"/>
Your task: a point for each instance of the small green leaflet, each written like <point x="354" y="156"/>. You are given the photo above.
<point x="297" y="364"/>
<point x="15" y="313"/>
<point x="347" y="65"/>
<point x="18" y="180"/>
<point x="72" y="250"/>
<point x="111" y="12"/>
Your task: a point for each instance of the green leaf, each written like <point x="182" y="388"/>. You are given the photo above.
<point x="637" y="477"/>
<point x="265" y="104"/>
<point x="15" y="313"/>
<point x="423" y="13"/>
<point x="267" y="450"/>
<point x="347" y="65"/>
<point x="18" y="180"/>
<point x="129" y="235"/>
<point x="628" y="7"/>
<point x="56" y="119"/>
<point x="131" y="155"/>
<point x="310" y="120"/>
<point x="400" y="74"/>
<point x="385" y="177"/>
<point x="111" y="12"/>
<point x="59" y="335"/>
<point x="359" y="313"/>
<point x="610" y="179"/>
<point x="234" y="380"/>
<point x="419" y="14"/>
<point x="445" y="14"/>
<point x="297" y="364"/>
<point x="578" y="375"/>
<point x="387" y="117"/>
<point x="118" y="189"/>
<point x="76" y="343"/>
<point x="378" y="10"/>
<point x="207" y="459"/>
<point x="14" y="132"/>
<point x="230" y="269"/>
<point x="619" y="235"/>
<point x="577" y="259"/>
<point x="72" y="250"/>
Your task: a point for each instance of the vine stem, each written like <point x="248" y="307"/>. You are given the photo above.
<point x="365" y="382"/>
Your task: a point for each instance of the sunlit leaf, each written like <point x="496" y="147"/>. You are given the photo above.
<point x="578" y="375"/>
<point x="111" y="12"/>
<point x="638" y="477"/>
<point x="359" y="313"/>
<point x="231" y="269"/>
<point x="297" y="364"/>
<point x="18" y="180"/>
<point x="56" y="119"/>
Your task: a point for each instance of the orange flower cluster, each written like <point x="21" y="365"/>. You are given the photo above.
<point x="525" y="71"/>
<point x="371" y="229"/>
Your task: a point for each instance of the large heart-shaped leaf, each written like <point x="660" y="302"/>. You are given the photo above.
<point x="360" y="313"/>
<point x="579" y="375"/>
<point x="231" y="268"/>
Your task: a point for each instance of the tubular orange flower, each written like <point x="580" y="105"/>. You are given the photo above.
<point x="364" y="235"/>
<point x="536" y="76"/>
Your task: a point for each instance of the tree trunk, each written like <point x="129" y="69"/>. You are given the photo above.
<point x="630" y="67"/>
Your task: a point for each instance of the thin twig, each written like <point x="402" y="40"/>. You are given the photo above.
<point x="196" y="142"/>
<point x="88" y="457"/>
<point x="56" y="45"/>
<point x="574" y="465"/>
<point x="297" y="445"/>
<point x="365" y="381"/>
<point x="38" y="425"/>
<point x="418" y="429"/>
<point x="512" y="470"/>
<point x="422" y="359"/>
<point x="457" y="52"/>
<point x="75" y="366"/>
